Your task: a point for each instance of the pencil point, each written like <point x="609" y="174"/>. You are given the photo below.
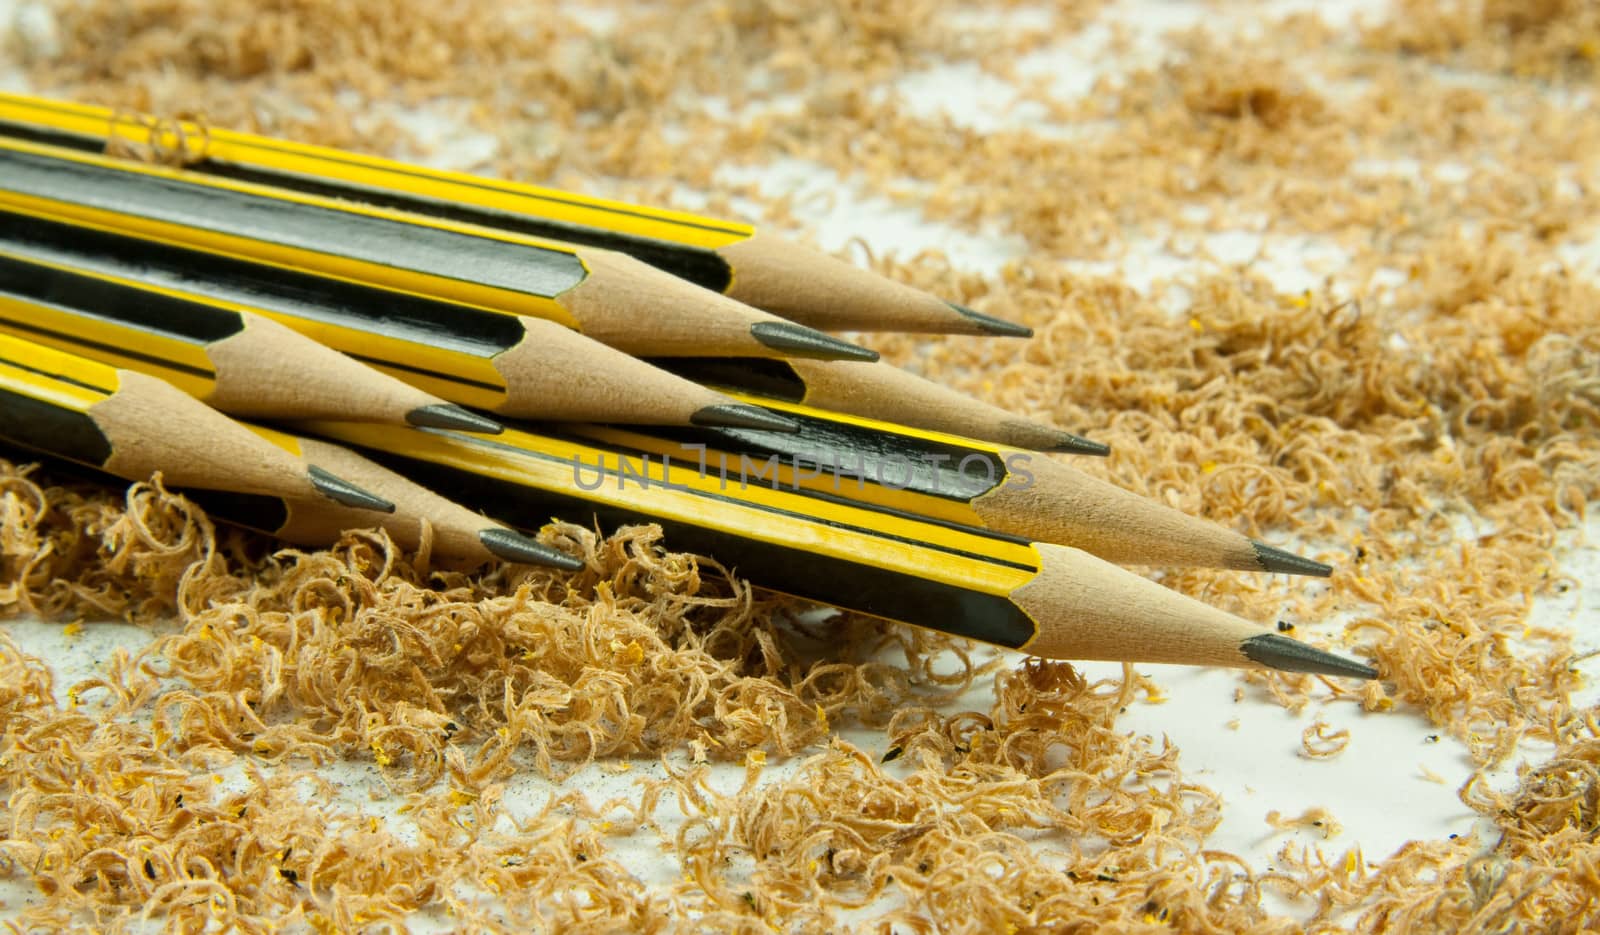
<point x="345" y="493"/>
<point x="736" y="416"/>
<point x="1075" y="445"/>
<point x="1286" y="655"/>
<point x="1277" y="560"/>
<point x="515" y="547"/>
<point x="451" y="416"/>
<point x="992" y="325"/>
<point x="799" y="341"/>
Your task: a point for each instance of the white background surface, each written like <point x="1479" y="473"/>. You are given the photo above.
<point x="1378" y="788"/>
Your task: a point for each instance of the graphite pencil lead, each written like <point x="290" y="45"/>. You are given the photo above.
<point x="799" y="341"/>
<point x="1071" y="444"/>
<point x="345" y="493"/>
<point x="998" y="327"/>
<point x="1286" y="655"/>
<point x="451" y="416"/>
<point x="1274" y="559"/>
<point x="515" y="547"/>
<point x="738" y="416"/>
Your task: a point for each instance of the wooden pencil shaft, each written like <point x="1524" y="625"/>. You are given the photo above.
<point x="838" y="555"/>
<point x="302" y="233"/>
<point x="1046" y="599"/>
<point x="517" y="366"/>
<point x="319" y="527"/>
<point x="876" y="391"/>
<point x="539" y="212"/>
<point x="458" y="534"/>
<point x="612" y="297"/>
<point x="313" y="525"/>
<point x="395" y="330"/>
<point x="272" y="516"/>
<point x="222" y="353"/>
<point x="133" y="425"/>
<point x="1171" y="628"/>
<point x="879" y="471"/>
<point x="39" y="282"/>
<point x="723" y="256"/>
<point x="945" y="478"/>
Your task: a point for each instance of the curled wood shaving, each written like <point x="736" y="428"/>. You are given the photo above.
<point x="1322" y="741"/>
<point x="1319" y="819"/>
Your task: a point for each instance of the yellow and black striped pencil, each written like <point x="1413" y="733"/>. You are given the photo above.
<point x="133" y="425"/>
<point x="876" y="390"/>
<point x="421" y="518"/>
<point x="224" y="354"/>
<point x="609" y="296"/>
<point x="1043" y="599"/>
<point x="949" y="479"/>
<point x="754" y="267"/>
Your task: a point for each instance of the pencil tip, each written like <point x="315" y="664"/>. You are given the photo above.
<point x="992" y="325"/>
<point x="737" y="416"/>
<point x="451" y="416"/>
<point x="1286" y="655"/>
<point x="1277" y="560"/>
<point x="344" y="493"/>
<point x="799" y="341"/>
<point x="515" y="547"/>
<point x="1076" y="445"/>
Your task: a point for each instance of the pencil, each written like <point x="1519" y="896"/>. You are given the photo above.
<point x="223" y="354"/>
<point x="511" y="365"/>
<point x="753" y="267"/>
<point x="946" y="478"/>
<point x="877" y="391"/>
<point x="133" y="425"/>
<point x="609" y="296"/>
<point x="457" y="533"/>
<point x="1040" y="598"/>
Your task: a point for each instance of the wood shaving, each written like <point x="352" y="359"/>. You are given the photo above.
<point x="1322" y="741"/>
<point x="1318" y="819"/>
<point x="180" y="140"/>
<point x="1427" y="417"/>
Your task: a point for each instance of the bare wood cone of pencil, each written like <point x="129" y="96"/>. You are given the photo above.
<point x="133" y="425"/>
<point x="456" y="532"/>
<point x="1086" y="608"/>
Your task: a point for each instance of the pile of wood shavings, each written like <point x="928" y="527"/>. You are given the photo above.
<point x="1450" y="369"/>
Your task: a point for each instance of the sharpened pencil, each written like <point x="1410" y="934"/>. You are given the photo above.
<point x="878" y="391"/>
<point x="133" y="425"/>
<point x="457" y="534"/>
<point x="512" y="365"/>
<point x="224" y="354"/>
<point x="1040" y="598"/>
<point x="459" y="538"/>
<point x="756" y="268"/>
<point x="608" y="296"/>
<point x="957" y="480"/>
